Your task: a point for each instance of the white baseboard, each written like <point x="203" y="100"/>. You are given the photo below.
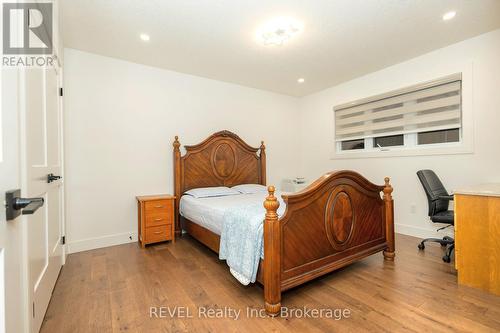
<point x="410" y="230"/>
<point x="99" y="242"/>
<point x="123" y="238"/>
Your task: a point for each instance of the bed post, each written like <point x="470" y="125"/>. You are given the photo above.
<point x="389" y="252"/>
<point x="272" y="255"/>
<point x="262" y="163"/>
<point x="177" y="183"/>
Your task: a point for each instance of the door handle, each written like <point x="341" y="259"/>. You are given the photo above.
<point x="52" y="178"/>
<point x="27" y="205"/>
<point x="16" y="205"/>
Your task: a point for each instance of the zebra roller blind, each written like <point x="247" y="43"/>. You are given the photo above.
<point x="426" y="107"/>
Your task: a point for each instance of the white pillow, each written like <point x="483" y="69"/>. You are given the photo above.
<point x="207" y="192"/>
<point x="250" y="188"/>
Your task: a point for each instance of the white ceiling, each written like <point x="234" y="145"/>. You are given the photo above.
<point x="342" y="39"/>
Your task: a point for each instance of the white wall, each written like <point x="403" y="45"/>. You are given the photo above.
<point x="120" y="121"/>
<point x="317" y="121"/>
<point x="121" y="117"/>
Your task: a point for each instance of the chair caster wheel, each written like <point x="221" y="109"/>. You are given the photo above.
<point x="446" y="259"/>
<point x="421" y="246"/>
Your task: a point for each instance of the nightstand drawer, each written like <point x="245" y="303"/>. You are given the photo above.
<point x="158" y="206"/>
<point x="158" y="234"/>
<point x="159" y="219"/>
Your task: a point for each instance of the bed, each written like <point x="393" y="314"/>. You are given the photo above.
<point x="338" y="219"/>
<point x="209" y="212"/>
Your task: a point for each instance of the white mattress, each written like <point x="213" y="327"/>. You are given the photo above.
<point x="209" y="212"/>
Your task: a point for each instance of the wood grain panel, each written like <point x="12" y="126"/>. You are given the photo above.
<point x="340" y="205"/>
<point x="158" y="206"/>
<point x="298" y="246"/>
<point x="203" y="235"/>
<point x="159" y="219"/>
<point x="477" y="241"/>
<point x="158" y="233"/>
<point x="340" y="218"/>
<point x="223" y="159"/>
<point x="112" y="289"/>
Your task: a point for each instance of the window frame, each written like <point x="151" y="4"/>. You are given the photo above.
<point x="410" y="141"/>
<point x="410" y="147"/>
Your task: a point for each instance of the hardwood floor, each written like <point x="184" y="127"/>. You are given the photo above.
<point x="113" y="289"/>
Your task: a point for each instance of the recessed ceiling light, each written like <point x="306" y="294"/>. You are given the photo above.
<point x="301" y="80"/>
<point x="278" y="30"/>
<point x="449" y="15"/>
<point x="144" y="37"/>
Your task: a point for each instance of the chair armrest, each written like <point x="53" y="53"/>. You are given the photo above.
<point x="446" y="197"/>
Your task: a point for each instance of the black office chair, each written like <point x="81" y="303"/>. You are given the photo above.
<point x="438" y="199"/>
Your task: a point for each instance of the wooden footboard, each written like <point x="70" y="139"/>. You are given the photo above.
<point x="338" y="219"/>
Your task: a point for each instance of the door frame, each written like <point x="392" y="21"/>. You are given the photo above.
<point x="60" y="105"/>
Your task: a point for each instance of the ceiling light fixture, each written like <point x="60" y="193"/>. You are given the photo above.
<point x="279" y="30"/>
<point x="301" y="80"/>
<point x="144" y="37"/>
<point x="449" y="15"/>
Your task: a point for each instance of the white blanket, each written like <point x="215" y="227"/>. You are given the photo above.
<point x="238" y="219"/>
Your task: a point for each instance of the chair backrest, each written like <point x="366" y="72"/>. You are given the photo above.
<point x="433" y="189"/>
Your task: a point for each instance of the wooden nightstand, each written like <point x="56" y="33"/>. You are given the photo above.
<point x="156" y="218"/>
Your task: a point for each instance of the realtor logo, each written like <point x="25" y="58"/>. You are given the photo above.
<point x="27" y="28"/>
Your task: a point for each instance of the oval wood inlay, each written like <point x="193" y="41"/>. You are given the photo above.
<point x="342" y="217"/>
<point x="224" y="160"/>
<point x="339" y="220"/>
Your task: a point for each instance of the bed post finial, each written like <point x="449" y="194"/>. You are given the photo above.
<point x="389" y="252"/>
<point x="388" y="188"/>
<point x="272" y="255"/>
<point x="176" y="144"/>
<point x="271" y="204"/>
<point x="262" y="163"/>
<point x="177" y="184"/>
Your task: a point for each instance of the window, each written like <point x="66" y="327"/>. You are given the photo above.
<point x="413" y="117"/>
<point x="389" y="141"/>
<point x="353" y="144"/>
<point x="451" y="135"/>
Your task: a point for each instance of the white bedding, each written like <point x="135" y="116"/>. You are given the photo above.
<point x="209" y="212"/>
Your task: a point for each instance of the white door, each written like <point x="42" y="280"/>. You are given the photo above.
<point x="30" y="149"/>
<point x="30" y="247"/>
<point x="42" y="124"/>
<point x="13" y="305"/>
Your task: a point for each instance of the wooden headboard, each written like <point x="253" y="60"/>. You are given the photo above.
<point x="223" y="159"/>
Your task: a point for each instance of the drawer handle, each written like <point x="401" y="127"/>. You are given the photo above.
<point x="159" y="219"/>
<point x="159" y="206"/>
<point x="157" y="232"/>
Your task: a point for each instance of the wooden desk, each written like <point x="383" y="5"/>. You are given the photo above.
<point x="477" y="236"/>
